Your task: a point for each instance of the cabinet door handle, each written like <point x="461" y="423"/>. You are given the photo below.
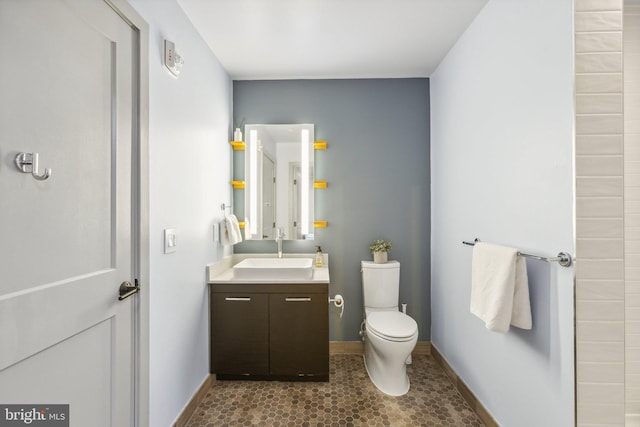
<point x="291" y="299"/>
<point x="237" y="299"/>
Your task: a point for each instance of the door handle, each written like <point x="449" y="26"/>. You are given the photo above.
<point x="237" y="299"/>
<point x="291" y="299"/>
<point x="127" y="289"/>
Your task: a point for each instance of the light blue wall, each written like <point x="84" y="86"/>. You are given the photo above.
<point x="501" y="168"/>
<point x="377" y="168"/>
<point x="189" y="121"/>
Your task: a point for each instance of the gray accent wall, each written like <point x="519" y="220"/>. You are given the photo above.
<point x="377" y="169"/>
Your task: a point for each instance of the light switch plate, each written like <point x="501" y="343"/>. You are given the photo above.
<point x="170" y="240"/>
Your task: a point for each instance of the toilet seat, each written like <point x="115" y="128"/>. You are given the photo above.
<point x="391" y="325"/>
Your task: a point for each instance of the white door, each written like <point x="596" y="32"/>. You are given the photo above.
<point x="66" y="244"/>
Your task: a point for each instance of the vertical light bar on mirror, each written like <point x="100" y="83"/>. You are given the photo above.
<point x="304" y="193"/>
<point x="253" y="181"/>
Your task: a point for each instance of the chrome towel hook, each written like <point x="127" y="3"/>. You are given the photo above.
<point x="28" y="163"/>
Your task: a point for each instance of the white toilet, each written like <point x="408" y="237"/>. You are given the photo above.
<point x="389" y="335"/>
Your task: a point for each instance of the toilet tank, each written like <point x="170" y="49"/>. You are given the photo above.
<point x="380" y="284"/>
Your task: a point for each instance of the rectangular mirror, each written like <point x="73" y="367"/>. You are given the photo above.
<point x="279" y="181"/>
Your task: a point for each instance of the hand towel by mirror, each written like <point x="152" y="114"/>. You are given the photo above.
<point x="231" y="231"/>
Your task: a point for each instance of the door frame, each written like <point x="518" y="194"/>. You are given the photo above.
<point x="140" y="207"/>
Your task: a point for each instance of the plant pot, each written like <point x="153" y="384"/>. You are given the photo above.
<point x="380" y="257"/>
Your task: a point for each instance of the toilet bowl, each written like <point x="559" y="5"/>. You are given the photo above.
<point x="389" y="335"/>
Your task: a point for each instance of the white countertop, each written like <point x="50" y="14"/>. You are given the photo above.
<point x="222" y="271"/>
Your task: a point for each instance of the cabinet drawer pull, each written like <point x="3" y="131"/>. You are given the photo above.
<point x="290" y="299"/>
<point x="237" y="299"/>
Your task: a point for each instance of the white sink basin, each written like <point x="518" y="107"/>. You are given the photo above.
<point x="274" y="269"/>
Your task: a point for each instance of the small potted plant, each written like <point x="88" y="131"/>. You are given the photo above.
<point x="380" y="249"/>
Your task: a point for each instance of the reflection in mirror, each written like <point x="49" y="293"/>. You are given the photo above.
<point x="279" y="181"/>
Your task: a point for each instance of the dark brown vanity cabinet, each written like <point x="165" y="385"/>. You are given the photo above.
<point x="239" y="333"/>
<point x="269" y="331"/>
<point x="298" y="334"/>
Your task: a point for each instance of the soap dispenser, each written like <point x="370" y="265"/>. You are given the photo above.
<point x="319" y="257"/>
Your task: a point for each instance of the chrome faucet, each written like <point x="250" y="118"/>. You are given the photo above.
<point x="279" y="236"/>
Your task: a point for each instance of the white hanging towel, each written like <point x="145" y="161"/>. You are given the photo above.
<point x="499" y="287"/>
<point x="230" y="231"/>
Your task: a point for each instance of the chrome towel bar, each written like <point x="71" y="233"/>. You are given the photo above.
<point x="563" y="258"/>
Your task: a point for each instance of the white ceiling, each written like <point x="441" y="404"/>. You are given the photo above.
<point x="309" y="39"/>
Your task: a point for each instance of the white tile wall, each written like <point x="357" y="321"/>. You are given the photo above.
<point x="600" y="290"/>
<point x="607" y="248"/>
<point x="631" y="207"/>
<point x="599" y="186"/>
<point x="602" y="331"/>
<point x="599" y="103"/>
<point x="602" y="372"/>
<point x="602" y="207"/>
<point x="597" y="5"/>
<point x="598" y="21"/>
<point x="597" y="228"/>
<point x="599" y="62"/>
<point x="587" y="42"/>
<point x="599" y="124"/>
<point x="599" y="83"/>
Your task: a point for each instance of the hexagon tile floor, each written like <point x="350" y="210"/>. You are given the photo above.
<point x="348" y="399"/>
